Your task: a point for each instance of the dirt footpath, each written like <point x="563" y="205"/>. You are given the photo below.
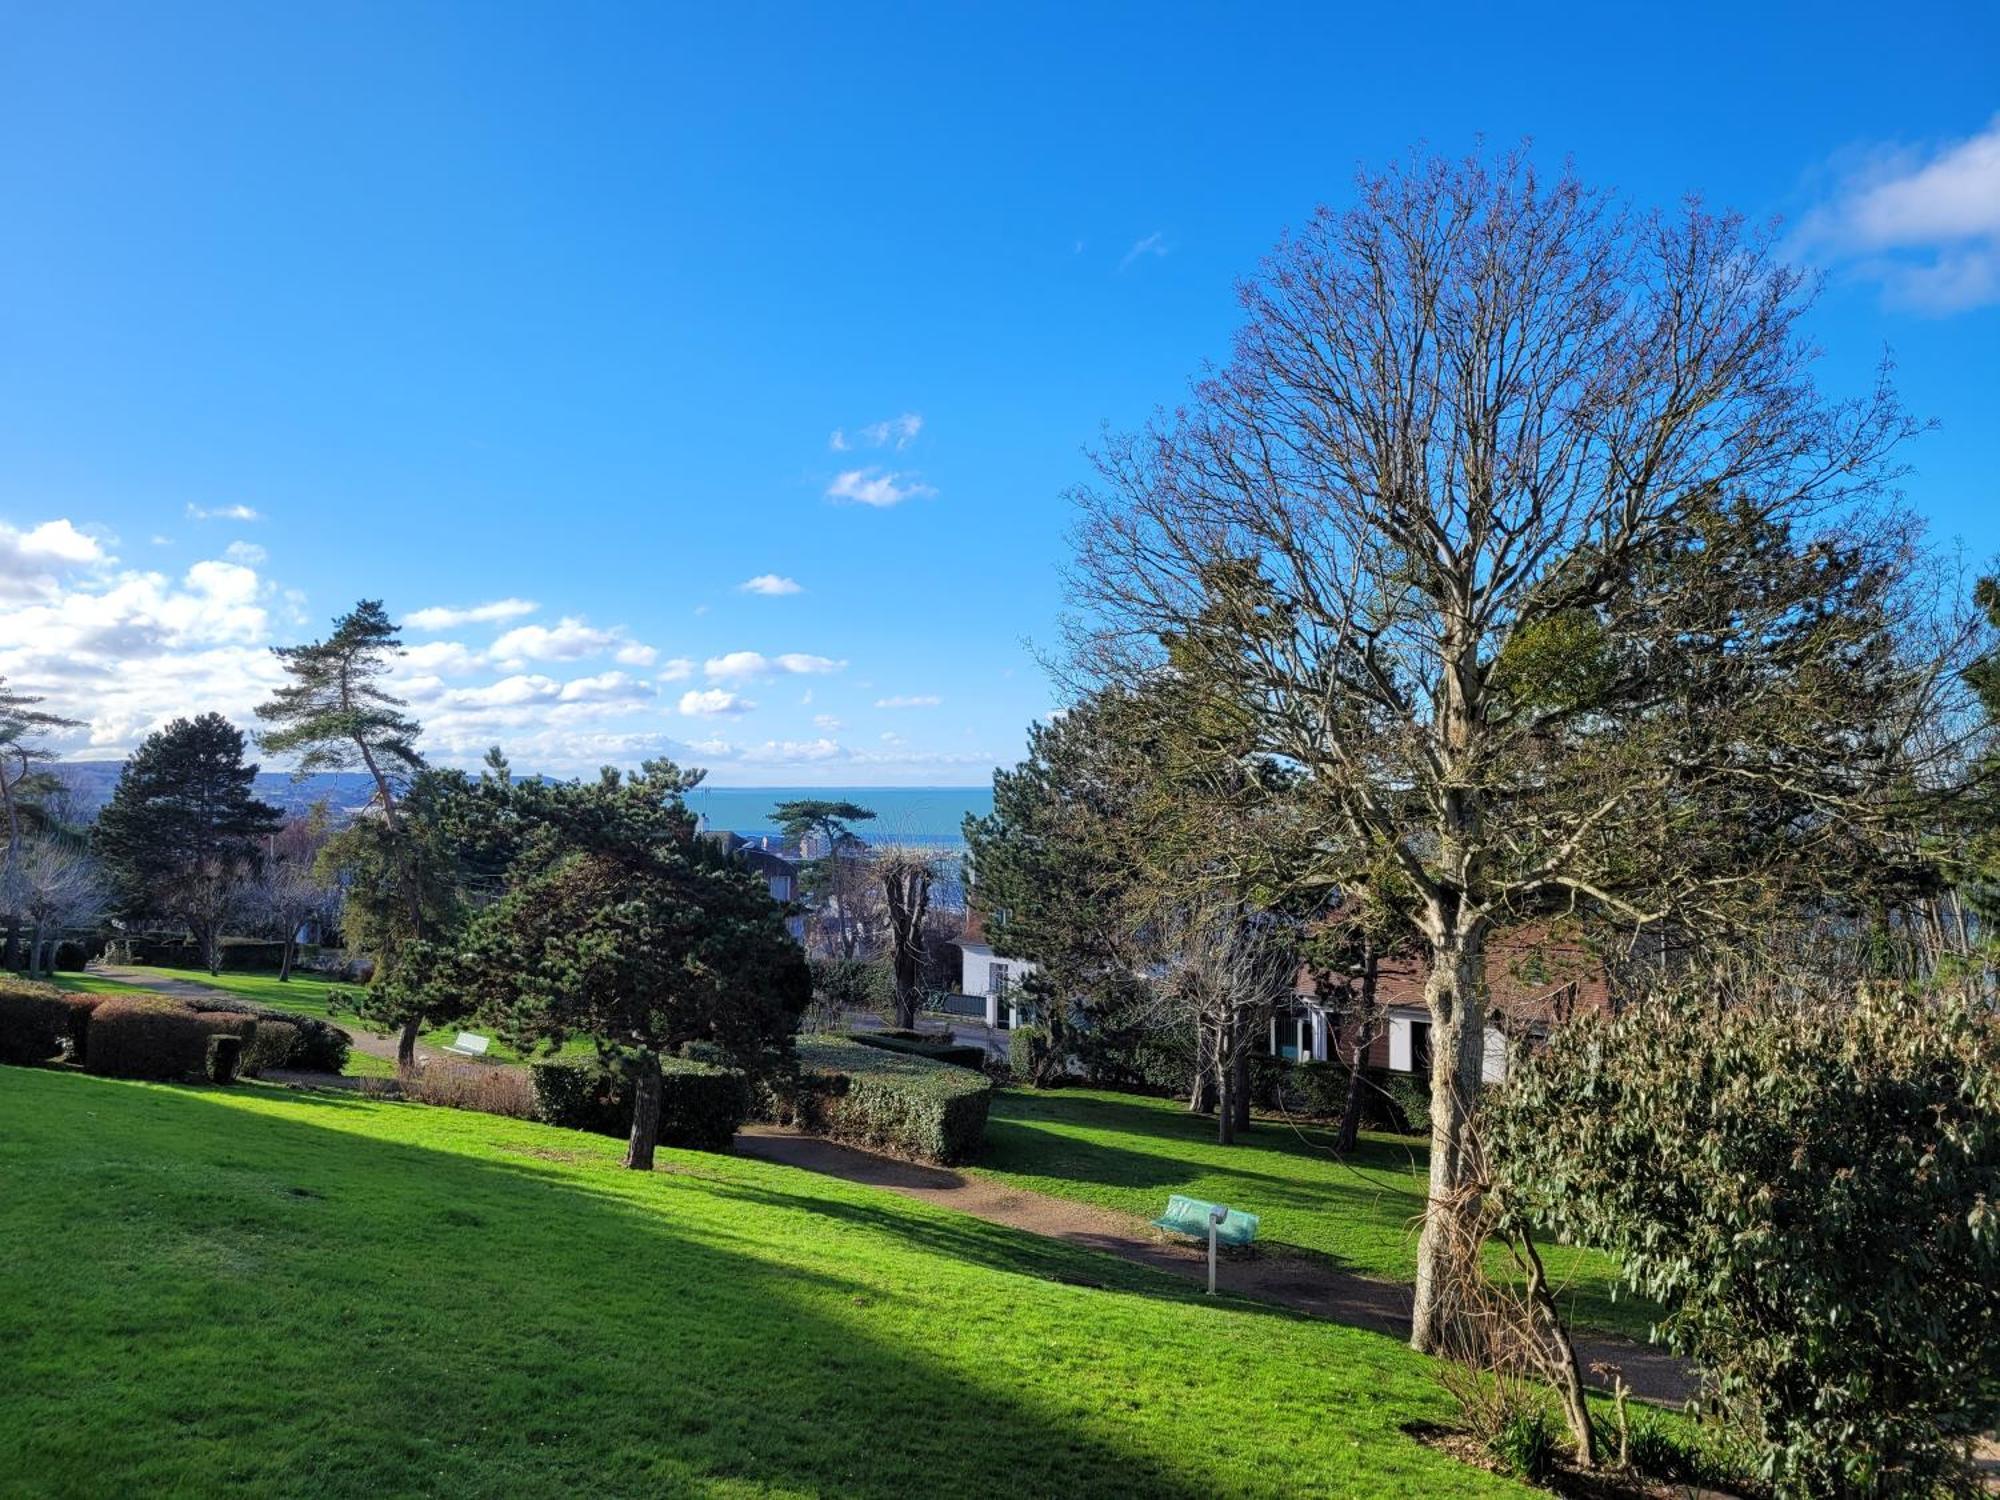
<point x="1292" y="1280"/>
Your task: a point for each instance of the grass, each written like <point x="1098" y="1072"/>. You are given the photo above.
<point x="306" y="994"/>
<point x="254" y="1290"/>
<point x="93" y="984"/>
<point x="1128" y="1153"/>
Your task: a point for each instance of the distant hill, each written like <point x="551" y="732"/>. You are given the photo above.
<point x="91" y="781"/>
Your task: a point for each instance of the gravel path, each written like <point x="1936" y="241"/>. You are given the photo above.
<point x="1292" y="1280"/>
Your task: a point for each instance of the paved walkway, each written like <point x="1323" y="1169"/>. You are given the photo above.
<point x="1293" y="1280"/>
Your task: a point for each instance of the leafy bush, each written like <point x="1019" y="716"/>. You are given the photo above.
<point x="1409" y="1097"/>
<point x="225" y="1057"/>
<point x="908" y="1106"/>
<point x="936" y="1049"/>
<point x="702" y="1105"/>
<point x="853" y="983"/>
<point x="1526" y="1443"/>
<point x="70" y="957"/>
<point x="38" y="1021"/>
<point x="271" y="1046"/>
<point x="238" y="954"/>
<point x="1810" y="1185"/>
<point x="154" y="1036"/>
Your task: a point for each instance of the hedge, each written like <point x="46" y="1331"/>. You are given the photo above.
<point x="155" y="1036"/>
<point x="701" y="1105"/>
<point x="888" y="1101"/>
<point x="957" y="1054"/>
<point x="310" y="1045"/>
<point x="38" y="1021"/>
<point x="239" y="955"/>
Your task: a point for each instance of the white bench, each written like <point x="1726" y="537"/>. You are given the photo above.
<point x="469" y="1044"/>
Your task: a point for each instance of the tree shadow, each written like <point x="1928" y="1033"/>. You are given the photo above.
<point x="376" y="1315"/>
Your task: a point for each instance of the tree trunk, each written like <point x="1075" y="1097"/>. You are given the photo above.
<point x="1225" y="1092"/>
<point x="1364" y="1036"/>
<point x="1455" y="993"/>
<point x="35" y="953"/>
<point x="1201" y="1097"/>
<point x="646" y="1087"/>
<point x="406" y="1044"/>
<point x="1568" y="1381"/>
<point x="1240" y="1086"/>
<point x="285" y="961"/>
<point x="1357" y="1084"/>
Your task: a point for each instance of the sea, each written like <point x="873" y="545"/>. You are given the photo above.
<point x="903" y="814"/>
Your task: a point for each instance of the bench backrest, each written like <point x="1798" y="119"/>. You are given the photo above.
<point x="1187" y="1215"/>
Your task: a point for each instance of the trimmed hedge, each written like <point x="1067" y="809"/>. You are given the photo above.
<point x="155" y="1036"/>
<point x="701" y="1105"/>
<point x="239" y="955"/>
<point x="959" y="1055"/>
<point x="38" y="1021"/>
<point x="888" y="1101"/>
<point x="310" y="1044"/>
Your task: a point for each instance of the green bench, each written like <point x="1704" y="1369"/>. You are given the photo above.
<point x="1192" y="1216"/>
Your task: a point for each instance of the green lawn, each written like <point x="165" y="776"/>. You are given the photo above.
<point x="254" y="1290"/>
<point x="93" y="984"/>
<point x="1125" y="1152"/>
<point x="306" y="994"/>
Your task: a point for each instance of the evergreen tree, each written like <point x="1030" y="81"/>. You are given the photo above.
<point x="181" y="834"/>
<point x="618" y="924"/>
<point x="335" y="715"/>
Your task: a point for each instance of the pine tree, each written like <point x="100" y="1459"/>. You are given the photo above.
<point x="180" y="835"/>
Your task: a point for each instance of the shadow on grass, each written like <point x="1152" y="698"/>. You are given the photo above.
<point x="219" y="1295"/>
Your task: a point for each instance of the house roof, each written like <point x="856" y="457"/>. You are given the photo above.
<point x="1532" y="977"/>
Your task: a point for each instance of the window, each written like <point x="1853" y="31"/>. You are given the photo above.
<point x="996" y="980"/>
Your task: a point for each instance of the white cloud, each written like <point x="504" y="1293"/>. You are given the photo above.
<point x="451" y="658"/>
<point x="706" y="703"/>
<point x="222" y="513"/>
<point x="827" y="722"/>
<point x="446" y="616"/>
<point x="509" y="692"/>
<point x="569" y="639"/>
<point x="914" y="700"/>
<point x="897" y="432"/>
<point x="248" y="553"/>
<point x="30" y="560"/>
<point x="605" y="687"/>
<point x="893" y="432"/>
<point x="1924" y="223"/>
<point x="741" y="666"/>
<point x="770" y="584"/>
<point x="877" y="487"/>
<point x="1153" y="246"/>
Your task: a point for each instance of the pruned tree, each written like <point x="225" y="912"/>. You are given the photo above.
<point x="905" y="874"/>
<point x="1227" y="968"/>
<point x="293" y="887"/>
<point x="25" y="784"/>
<point x="61" y="887"/>
<point x="182" y="834"/>
<point x="829" y="876"/>
<point x="1517" y="525"/>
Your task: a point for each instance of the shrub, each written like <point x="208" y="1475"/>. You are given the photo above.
<point x="314" y="1046"/>
<point x="476" y="1086"/>
<point x="270" y="1047"/>
<point x="1525" y="1443"/>
<point x="1033" y="1057"/>
<point x="38" y="1021"/>
<point x="915" y="1044"/>
<point x="908" y="1106"/>
<point x="1808" y="1183"/>
<point x="1410" y="1099"/>
<point x="70" y="957"/>
<point x="154" y="1036"/>
<point x="702" y="1105"/>
<point x="225" y="1057"/>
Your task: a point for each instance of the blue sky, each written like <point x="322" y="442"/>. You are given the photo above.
<point x="563" y="306"/>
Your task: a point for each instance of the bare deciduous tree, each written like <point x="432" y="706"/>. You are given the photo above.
<point x="1225" y="968"/>
<point x="60" y="887"/>
<point x="1518" y="525"/>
